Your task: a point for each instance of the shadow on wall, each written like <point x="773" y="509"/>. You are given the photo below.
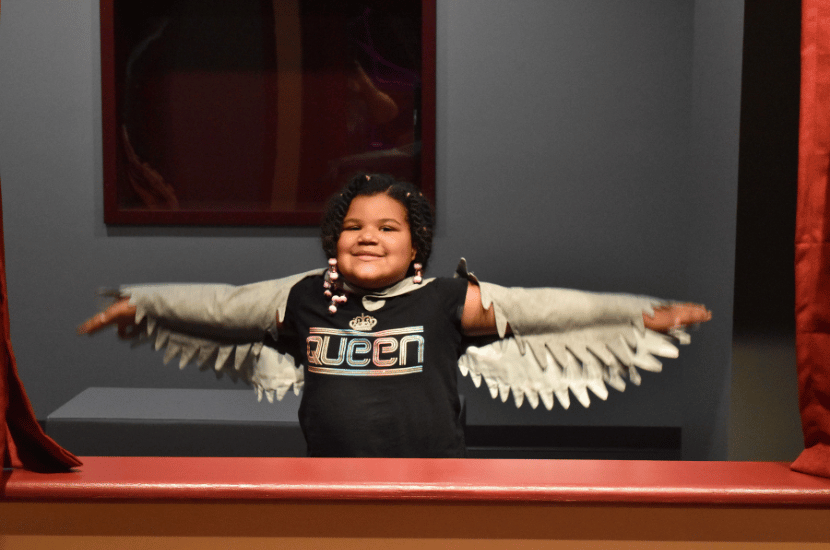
<point x="765" y="423"/>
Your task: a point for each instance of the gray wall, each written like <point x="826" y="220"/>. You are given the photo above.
<point x="589" y="144"/>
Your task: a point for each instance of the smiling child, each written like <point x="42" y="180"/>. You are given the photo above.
<point x="376" y="346"/>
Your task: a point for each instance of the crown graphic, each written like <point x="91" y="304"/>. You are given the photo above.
<point x="363" y="322"/>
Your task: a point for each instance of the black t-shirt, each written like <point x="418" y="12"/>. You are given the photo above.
<point x="384" y="386"/>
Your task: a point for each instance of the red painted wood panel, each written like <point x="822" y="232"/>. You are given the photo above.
<point x="496" y="481"/>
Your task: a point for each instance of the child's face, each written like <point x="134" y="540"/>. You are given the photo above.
<point x="375" y="246"/>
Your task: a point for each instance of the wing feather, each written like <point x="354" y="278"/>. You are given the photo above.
<point x="574" y="363"/>
<point x="564" y="343"/>
<point x="221" y="323"/>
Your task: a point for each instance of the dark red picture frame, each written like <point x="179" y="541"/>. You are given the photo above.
<point x="253" y="112"/>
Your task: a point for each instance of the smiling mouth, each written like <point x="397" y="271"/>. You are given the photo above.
<point x="367" y="257"/>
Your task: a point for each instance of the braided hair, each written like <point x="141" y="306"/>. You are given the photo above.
<point x="418" y="212"/>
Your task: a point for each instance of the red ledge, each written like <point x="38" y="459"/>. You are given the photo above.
<point x="497" y="481"/>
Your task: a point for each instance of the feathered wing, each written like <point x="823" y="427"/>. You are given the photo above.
<point x="564" y="342"/>
<point x="222" y="324"/>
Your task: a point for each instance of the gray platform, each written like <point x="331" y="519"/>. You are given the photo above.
<point x="190" y="422"/>
<point x="177" y="422"/>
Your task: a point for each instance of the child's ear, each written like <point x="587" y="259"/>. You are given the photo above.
<point x="414" y="253"/>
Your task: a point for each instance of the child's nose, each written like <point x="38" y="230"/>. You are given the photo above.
<point x="368" y="235"/>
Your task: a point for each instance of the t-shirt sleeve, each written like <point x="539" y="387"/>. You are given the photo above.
<point x="299" y="292"/>
<point x="453" y="294"/>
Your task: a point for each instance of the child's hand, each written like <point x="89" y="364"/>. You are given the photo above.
<point x="120" y="313"/>
<point x="677" y="315"/>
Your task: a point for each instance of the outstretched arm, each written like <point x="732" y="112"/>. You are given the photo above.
<point x="477" y="321"/>
<point x="566" y="342"/>
<point x="223" y="324"/>
<point x="121" y="313"/>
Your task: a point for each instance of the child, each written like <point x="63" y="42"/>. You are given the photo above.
<point x="377" y="344"/>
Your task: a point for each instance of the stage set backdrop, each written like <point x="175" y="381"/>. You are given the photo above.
<point x="623" y="187"/>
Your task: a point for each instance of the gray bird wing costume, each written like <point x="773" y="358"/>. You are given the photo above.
<point x="561" y="340"/>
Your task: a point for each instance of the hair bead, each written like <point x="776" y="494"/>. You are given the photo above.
<point x="331" y="286"/>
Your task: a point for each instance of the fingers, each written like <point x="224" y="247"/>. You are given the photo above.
<point x="694" y="313"/>
<point x="689" y="314"/>
<point x="121" y="312"/>
<point x="675" y="316"/>
<point x="93" y="324"/>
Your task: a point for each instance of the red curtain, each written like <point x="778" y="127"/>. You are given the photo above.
<point x="22" y="441"/>
<point x="812" y="241"/>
